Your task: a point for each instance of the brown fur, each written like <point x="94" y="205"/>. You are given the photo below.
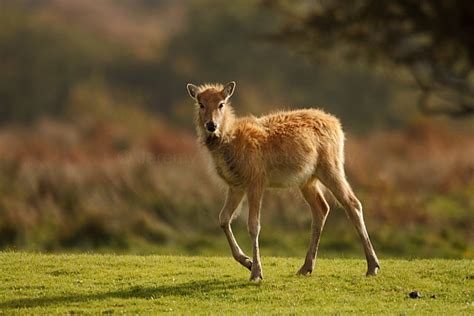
<point x="283" y="149"/>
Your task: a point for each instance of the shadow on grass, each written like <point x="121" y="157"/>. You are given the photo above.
<point x="182" y="289"/>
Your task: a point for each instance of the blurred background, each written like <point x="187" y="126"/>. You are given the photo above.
<point x="97" y="143"/>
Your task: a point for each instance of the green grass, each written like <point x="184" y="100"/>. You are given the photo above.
<point x="46" y="284"/>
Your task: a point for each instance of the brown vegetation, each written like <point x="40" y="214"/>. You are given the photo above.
<point x="83" y="166"/>
<point x="93" y="184"/>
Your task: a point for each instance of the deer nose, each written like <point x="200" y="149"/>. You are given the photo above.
<point x="211" y="126"/>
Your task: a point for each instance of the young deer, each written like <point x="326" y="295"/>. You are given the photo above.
<point x="296" y="148"/>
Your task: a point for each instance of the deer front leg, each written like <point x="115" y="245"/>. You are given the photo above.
<point x="233" y="199"/>
<point x="254" y="196"/>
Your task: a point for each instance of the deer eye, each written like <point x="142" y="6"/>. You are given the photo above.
<point x="221" y="105"/>
<point x="201" y="106"/>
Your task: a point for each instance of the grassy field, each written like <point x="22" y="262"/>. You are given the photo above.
<point x="46" y="284"/>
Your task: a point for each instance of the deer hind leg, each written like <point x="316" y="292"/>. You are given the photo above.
<point x="334" y="179"/>
<point x="319" y="210"/>
<point x="233" y="199"/>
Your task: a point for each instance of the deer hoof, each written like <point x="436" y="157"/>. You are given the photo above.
<point x="372" y="271"/>
<point x="256" y="278"/>
<point x="246" y="262"/>
<point x="256" y="274"/>
<point x="304" y="271"/>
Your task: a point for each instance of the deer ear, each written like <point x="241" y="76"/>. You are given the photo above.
<point x="229" y="89"/>
<point x="192" y="90"/>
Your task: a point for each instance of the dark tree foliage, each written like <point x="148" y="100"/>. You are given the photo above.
<point x="433" y="39"/>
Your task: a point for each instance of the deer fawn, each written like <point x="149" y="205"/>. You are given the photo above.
<point x="303" y="148"/>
